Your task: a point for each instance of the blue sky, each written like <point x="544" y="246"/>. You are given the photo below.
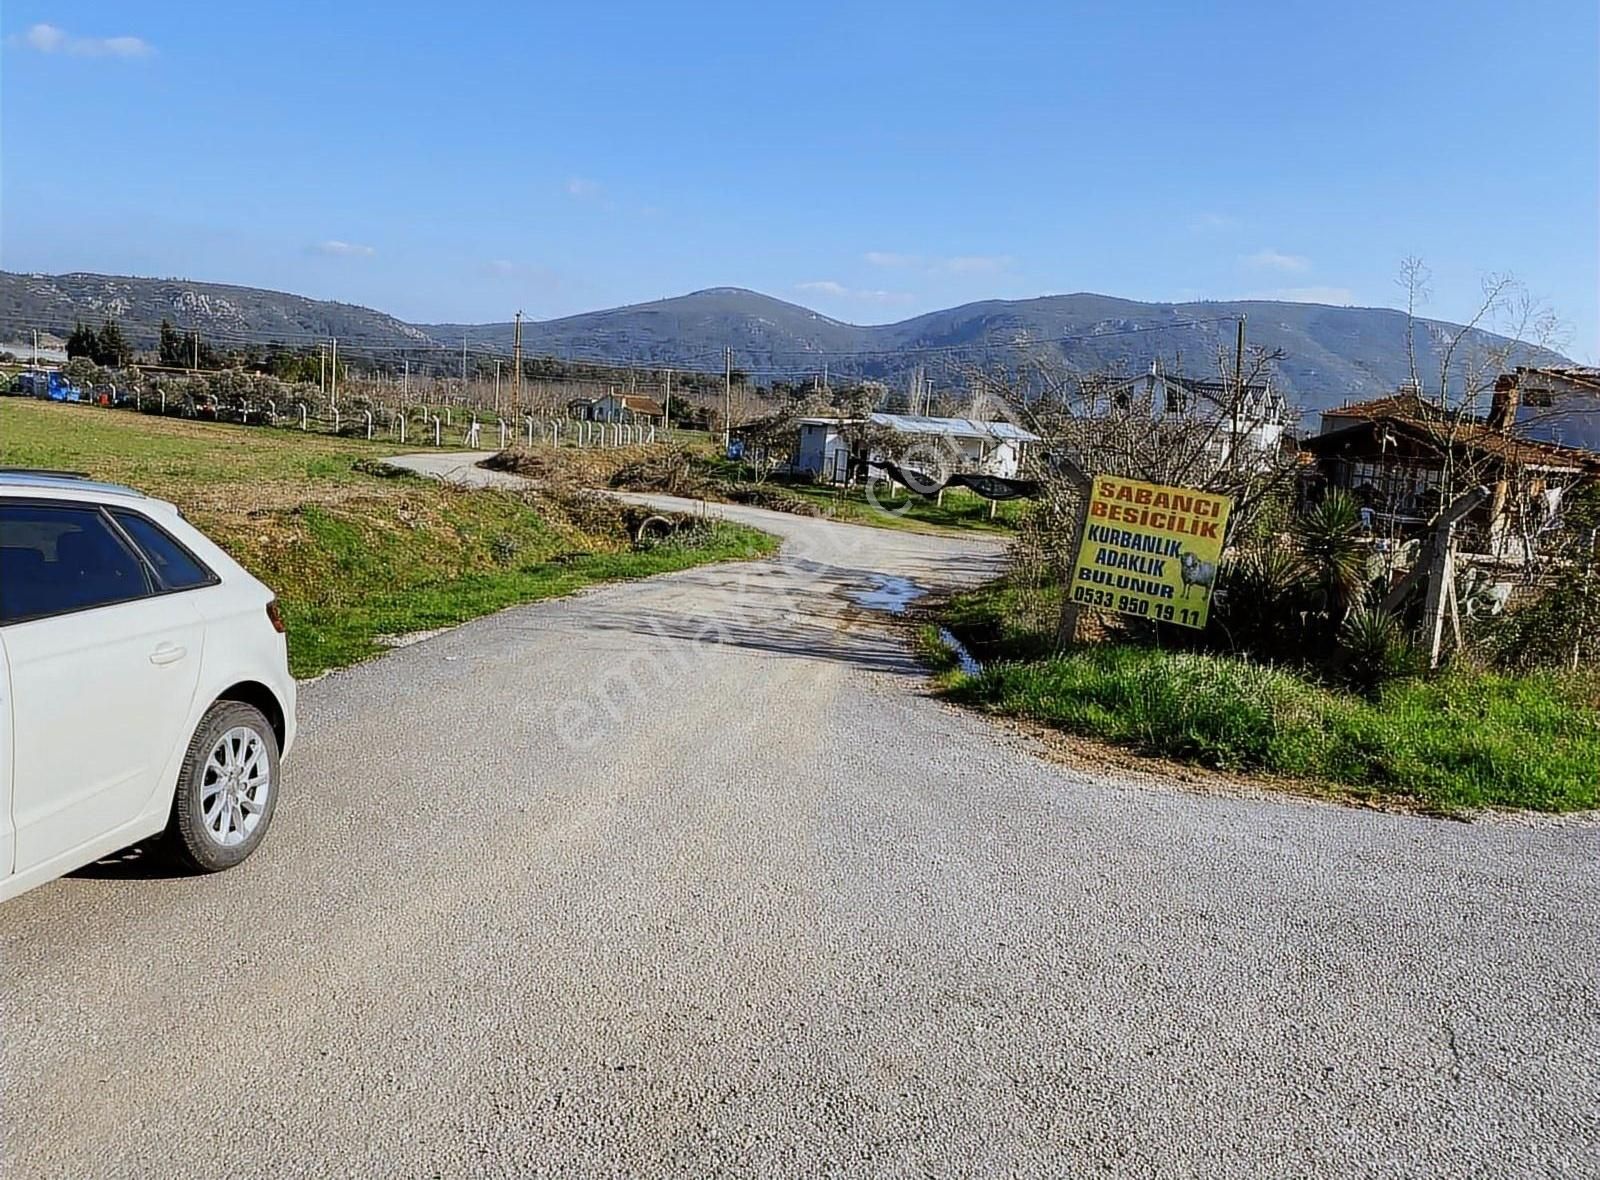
<point x="871" y="160"/>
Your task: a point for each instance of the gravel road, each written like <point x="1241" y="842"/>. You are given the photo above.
<point x="691" y="876"/>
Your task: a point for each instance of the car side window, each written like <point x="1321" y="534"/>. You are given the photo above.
<point x="59" y="558"/>
<point x="176" y="568"/>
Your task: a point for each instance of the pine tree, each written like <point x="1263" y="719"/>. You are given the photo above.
<point x="83" y="342"/>
<point x="173" y="350"/>
<point x="110" y="348"/>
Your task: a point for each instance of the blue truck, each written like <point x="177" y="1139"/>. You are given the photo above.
<point x="51" y="385"/>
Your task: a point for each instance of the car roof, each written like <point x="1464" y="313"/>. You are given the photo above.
<point x="23" y="479"/>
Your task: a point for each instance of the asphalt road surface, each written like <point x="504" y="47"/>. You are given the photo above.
<point x="692" y="877"/>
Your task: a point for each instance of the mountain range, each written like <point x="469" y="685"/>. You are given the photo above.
<point x="1328" y="354"/>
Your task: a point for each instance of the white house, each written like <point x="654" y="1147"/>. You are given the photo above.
<point x="1556" y="404"/>
<point x="1257" y="417"/>
<point x="624" y="407"/>
<point x="963" y="444"/>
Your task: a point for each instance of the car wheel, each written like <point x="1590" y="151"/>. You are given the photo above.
<point x="227" y="788"/>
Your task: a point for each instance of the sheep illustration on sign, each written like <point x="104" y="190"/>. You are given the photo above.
<point x="1150" y="550"/>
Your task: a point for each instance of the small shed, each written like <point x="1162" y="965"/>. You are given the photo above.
<point x="961" y="444"/>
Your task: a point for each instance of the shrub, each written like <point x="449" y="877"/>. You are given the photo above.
<point x="1374" y="649"/>
<point x="1330" y="544"/>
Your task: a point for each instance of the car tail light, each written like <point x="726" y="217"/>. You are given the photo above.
<point x="275" y="616"/>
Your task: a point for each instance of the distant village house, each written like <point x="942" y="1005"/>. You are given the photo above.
<point x="619" y="407"/>
<point x="988" y="448"/>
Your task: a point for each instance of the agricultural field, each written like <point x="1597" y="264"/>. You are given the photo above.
<point x="356" y="552"/>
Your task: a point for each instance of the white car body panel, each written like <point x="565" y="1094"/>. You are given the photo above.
<point x="94" y="719"/>
<point x="92" y="733"/>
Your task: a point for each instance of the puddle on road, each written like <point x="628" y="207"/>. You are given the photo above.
<point x="892" y="595"/>
<point x="964" y="658"/>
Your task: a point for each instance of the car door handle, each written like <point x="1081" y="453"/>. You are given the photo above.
<point x="168" y="653"/>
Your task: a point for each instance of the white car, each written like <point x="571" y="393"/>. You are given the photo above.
<point x="144" y="684"/>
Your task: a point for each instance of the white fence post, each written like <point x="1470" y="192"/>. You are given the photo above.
<point x="272" y="412"/>
<point x="336" y="419"/>
<point x="502" y="422"/>
<point x="402" y="426"/>
<point x="368" y="413"/>
<point x="305" y="421"/>
<point x="437" y="434"/>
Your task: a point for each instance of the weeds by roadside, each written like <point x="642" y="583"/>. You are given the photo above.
<point x="1462" y="740"/>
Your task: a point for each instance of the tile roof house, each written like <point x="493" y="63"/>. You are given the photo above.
<point x="1400" y="456"/>
<point x="625" y="407"/>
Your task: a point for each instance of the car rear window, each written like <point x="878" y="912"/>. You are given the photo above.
<point x="176" y="568"/>
<point x="55" y="559"/>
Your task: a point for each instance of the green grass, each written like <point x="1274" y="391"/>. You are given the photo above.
<point x="398" y="590"/>
<point x="353" y="554"/>
<point x="962" y="510"/>
<point x="1458" y="741"/>
<point x="1005" y="620"/>
<point x="1464" y="740"/>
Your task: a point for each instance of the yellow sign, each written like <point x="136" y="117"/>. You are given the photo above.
<point x="1150" y="550"/>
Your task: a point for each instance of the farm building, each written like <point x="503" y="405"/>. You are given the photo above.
<point x="989" y="448"/>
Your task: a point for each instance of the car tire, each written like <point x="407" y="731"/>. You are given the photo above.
<point x="227" y="789"/>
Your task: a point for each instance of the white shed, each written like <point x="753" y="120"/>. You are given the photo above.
<point x="961" y="444"/>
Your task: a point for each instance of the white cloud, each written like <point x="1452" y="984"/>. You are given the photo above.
<point x="334" y="248"/>
<point x="502" y="266"/>
<point x="835" y="290"/>
<point x="1276" y="260"/>
<point x="1338" y="296"/>
<point x="1212" y="223"/>
<point x="581" y="189"/>
<point x="43" y="38"/>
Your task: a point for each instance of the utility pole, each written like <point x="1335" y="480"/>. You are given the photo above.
<point x="727" y="399"/>
<point x="405" y="382"/>
<point x="497" y="386"/>
<point x="322" y="369"/>
<point x="36" y="348"/>
<point x="194" y="339"/>
<point x="516" y="363"/>
<point x="1238" y="388"/>
<point x="666" y="409"/>
<point x="463" y="366"/>
<point x="333" y="376"/>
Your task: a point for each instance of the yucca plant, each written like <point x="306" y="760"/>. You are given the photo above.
<point x="1374" y="649"/>
<point x="1336" y="560"/>
<point x="1263" y="601"/>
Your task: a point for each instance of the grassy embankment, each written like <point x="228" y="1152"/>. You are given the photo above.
<point x="353" y="554"/>
<point x="1459" y="741"/>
